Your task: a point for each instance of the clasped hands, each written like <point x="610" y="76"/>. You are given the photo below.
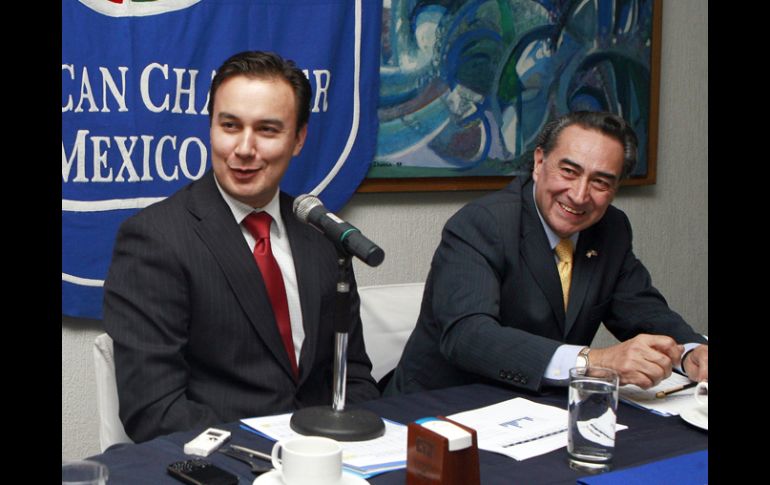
<point x="646" y="359"/>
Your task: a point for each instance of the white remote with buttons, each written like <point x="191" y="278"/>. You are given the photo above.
<point x="207" y="442"/>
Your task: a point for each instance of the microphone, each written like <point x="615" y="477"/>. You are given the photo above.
<point x="336" y="422"/>
<point x="309" y="209"/>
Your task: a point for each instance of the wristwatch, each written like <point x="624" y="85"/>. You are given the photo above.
<point x="582" y="357"/>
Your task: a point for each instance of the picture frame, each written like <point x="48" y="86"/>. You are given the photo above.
<point x="466" y="87"/>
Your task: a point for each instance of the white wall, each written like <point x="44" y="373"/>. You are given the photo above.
<point x="670" y="219"/>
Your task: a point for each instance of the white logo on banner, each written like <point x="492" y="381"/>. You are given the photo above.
<point x="74" y="157"/>
<point x="131" y="8"/>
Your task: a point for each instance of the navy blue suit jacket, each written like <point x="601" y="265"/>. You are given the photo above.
<point x="195" y="338"/>
<point x="493" y="309"/>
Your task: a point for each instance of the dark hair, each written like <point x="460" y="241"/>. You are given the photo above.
<point x="265" y="65"/>
<point x="608" y="124"/>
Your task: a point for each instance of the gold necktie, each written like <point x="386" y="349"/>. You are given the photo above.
<point x="564" y="251"/>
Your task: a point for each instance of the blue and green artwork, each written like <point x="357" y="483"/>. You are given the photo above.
<point x="466" y="86"/>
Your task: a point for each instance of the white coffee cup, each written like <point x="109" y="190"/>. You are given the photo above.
<point x="308" y="460"/>
<point x="702" y="394"/>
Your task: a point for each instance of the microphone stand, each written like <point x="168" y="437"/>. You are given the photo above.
<point x="336" y="422"/>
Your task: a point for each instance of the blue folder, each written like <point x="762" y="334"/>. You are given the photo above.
<point x="681" y="470"/>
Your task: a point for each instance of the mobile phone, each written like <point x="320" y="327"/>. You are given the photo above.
<point x="201" y="472"/>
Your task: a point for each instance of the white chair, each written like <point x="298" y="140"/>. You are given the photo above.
<point x="388" y="315"/>
<point x="111" y="430"/>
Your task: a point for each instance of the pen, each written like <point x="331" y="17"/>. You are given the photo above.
<point x="661" y="394"/>
<point x="253" y="453"/>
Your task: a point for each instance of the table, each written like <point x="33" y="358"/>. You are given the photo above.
<point x="649" y="438"/>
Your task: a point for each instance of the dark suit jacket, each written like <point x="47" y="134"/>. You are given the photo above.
<point x="493" y="309"/>
<point x="196" y="341"/>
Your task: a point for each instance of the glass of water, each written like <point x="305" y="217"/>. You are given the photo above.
<point x="593" y="402"/>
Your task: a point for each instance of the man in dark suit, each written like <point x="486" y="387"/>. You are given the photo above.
<point x="494" y="309"/>
<point x="200" y="335"/>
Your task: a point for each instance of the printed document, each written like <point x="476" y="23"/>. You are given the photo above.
<point x="671" y="405"/>
<point x="519" y="428"/>
<point x="362" y="458"/>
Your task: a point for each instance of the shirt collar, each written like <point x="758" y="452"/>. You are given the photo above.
<point x="241" y="210"/>
<point x="553" y="238"/>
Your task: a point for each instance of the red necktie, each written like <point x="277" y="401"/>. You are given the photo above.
<point x="258" y="225"/>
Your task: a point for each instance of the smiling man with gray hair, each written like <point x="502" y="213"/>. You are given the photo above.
<point x="523" y="278"/>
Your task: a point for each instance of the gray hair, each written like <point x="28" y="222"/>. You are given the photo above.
<point x="606" y="123"/>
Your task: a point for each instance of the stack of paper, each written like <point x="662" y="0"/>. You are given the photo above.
<point x="362" y="458"/>
<point x="519" y="428"/>
<point x="670" y="405"/>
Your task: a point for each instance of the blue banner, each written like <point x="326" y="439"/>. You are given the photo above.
<point x="135" y="81"/>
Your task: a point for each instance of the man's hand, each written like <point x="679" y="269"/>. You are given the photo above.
<point x="696" y="363"/>
<point x="644" y="360"/>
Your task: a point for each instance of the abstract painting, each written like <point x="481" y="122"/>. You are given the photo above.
<point x="466" y="86"/>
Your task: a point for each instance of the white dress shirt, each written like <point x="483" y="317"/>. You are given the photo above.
<point x="279" y="243"/>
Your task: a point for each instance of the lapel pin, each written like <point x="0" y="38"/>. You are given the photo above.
<point x="591" y="253"/>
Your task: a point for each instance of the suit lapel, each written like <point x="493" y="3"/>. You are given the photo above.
<point x="585" y="260"/>
<point x="308" y="283"/>
<point x="218" y="230"/>
<point x="538" y="257"/>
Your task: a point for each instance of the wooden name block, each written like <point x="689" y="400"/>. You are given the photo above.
<point x="441" y="451"/>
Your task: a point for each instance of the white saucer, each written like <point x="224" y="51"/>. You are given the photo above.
<point x="696" y="416"/>
<point x="273" y="477"/>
